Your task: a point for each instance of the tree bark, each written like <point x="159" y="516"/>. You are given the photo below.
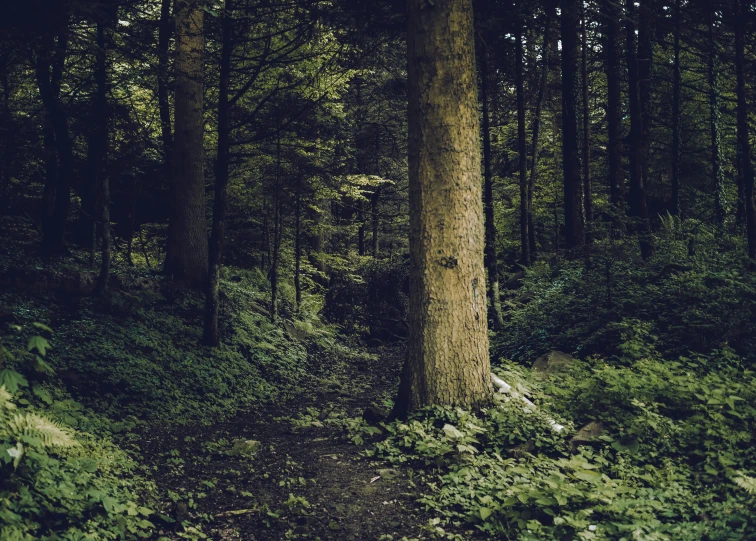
<point x="49" y="71"/>
<point x="536" y="128"/>
<point x="375" y="219"/>
<point x="491" y="263"/>
<point x="164" y="41"/>
<point x="187" y="257"/>
<point x="298" y="251"/>
<point x="587" y="189"/>
<point x="676" y="116"/>
<point x="211" y="335"/>
<point x="574" y="220"/>
<point x="714" y="117"/>
<point x="447" y="360"/>
<point x="100" y="161"/>
<point x="522" y="148"/>
<point x="611" y="15"/>
<point x="744" y="143"/>
<point x="638" y="206"/>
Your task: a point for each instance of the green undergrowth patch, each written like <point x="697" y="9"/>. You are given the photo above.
<point x="61" y="475"/>
<point x="675" y="460"/>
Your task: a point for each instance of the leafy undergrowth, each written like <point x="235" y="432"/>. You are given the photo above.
<point x="675" y="460"/>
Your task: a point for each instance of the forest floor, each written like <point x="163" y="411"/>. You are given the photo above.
<point x="303" y="482"/>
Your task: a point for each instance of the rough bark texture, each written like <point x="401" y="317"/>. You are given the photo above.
<point x="637" y="204"/>
<point x="164" y="40"/>
<point x="536" y="127"/>
<point x="717" y="174"/>
<point x="616" y="172"/>
<point x="491" y="262"/>
<point x="100" y="160"/>
<point x="522" y="149"/>
<point x="744" y="144"/>
<point x="187" y="257"/>
<point x="447" y="358"/>
<point x="587" y="189"/>
<point x="57" y="199"/>
<point x="574" y="220"/>
<point x="676" y="90"/>
<point x="217" y="237"/>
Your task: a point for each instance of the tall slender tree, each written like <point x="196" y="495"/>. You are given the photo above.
<point x="676" y="111"/>
<point x="522" y="147"/>
<point x="187" y="252"/>
<point x="574" y="219"/>
<point x="587" y="188"/>
<point x="447" y="352"/>
<point x="717" y="174"/>
<point x="611" y="15"/>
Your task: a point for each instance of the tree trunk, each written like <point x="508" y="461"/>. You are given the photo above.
<point x="375" y="219"/>
<point x="676" y="91"/>
<point x="536" y="128"/>
<point x="276" y="261"/>
<point x="101" y="174"/>
<point x="491" y="263"/>
<point x="574" y="223"/>
<point x="744" y="143"/>
<point x="638" y="206"/>
<point x="447" y="359"/>
<point x="522" y="148"/>
<point x="187" y="257"/>
<point x="298" y="251"/>
<point x="587" y="190"/>
<point x="611" y="15"/>
<point x="217" y="238"/>
<point x="49" y="73"/>
<point x="714" y="116"/>
<point x="164" y="41"/>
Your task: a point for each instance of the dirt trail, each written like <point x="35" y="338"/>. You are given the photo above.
<point x="303" y="483"/>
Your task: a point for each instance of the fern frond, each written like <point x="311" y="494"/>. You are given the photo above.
<point x="6" y="399"/>
<point x="41" y="428"/>
<point x="745" y="482"/>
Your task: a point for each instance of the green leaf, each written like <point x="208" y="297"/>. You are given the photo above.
<point x="12" y="380"/>
<point x="452" y="433"/>
<point x="42" y="327"/>
<point x="39" y="343"/>
<point x="484" y="513"/>
<point x="628" y="445"/>
<point x="41" y="393"/>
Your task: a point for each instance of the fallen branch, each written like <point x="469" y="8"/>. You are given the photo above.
<point x="237" y="512"/>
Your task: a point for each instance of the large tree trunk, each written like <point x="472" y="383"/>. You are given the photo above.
<point x="744" y="143"/>
<point x="522" y="148"/>
<point x="447" y="358"/>
<point x="611" y="15"/>
<point x="587" y="189"/>
<point x="574" y="222"/>
<point x="217" y="238"/>
<point x="638" y="206"/>
<point x="536" y="128"/>
<point x="716" y="149"/>
<point x="676" y="91"/>
<point x="187" y="257"/>
<point x="491" y="263"/>
<point x="49" y="71"/>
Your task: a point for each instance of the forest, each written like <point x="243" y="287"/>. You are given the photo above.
<point x="389" y="270"/>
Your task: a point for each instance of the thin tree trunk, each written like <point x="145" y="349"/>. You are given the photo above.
<point x="491" y="263"/>
<point x="744" y="143"/>
<point x="164" y="40"/>
<point x="587" y="190"/>
<point x="714" y="117"/>
<point x="375" y="219"/>
<point x="522" y="148"/>
<point x="638" y="206"/>
<point x="276" y="232"/>
<point x="102" y="147"/>
<point x="536" y="128"/>
<point x="574" y="221"/>
<point x="447" y="360"/>
<point x="187" y="257"/>
<point x="361" y="230"/>
<point x="217" y="238"/>
<point x="676" y="115"/>
<point x="298" y="251"/>
<point x="616" y="171"/>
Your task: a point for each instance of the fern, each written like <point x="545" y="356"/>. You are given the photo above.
<point x="39" y="428"/>
<point x="745" y="482"/>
